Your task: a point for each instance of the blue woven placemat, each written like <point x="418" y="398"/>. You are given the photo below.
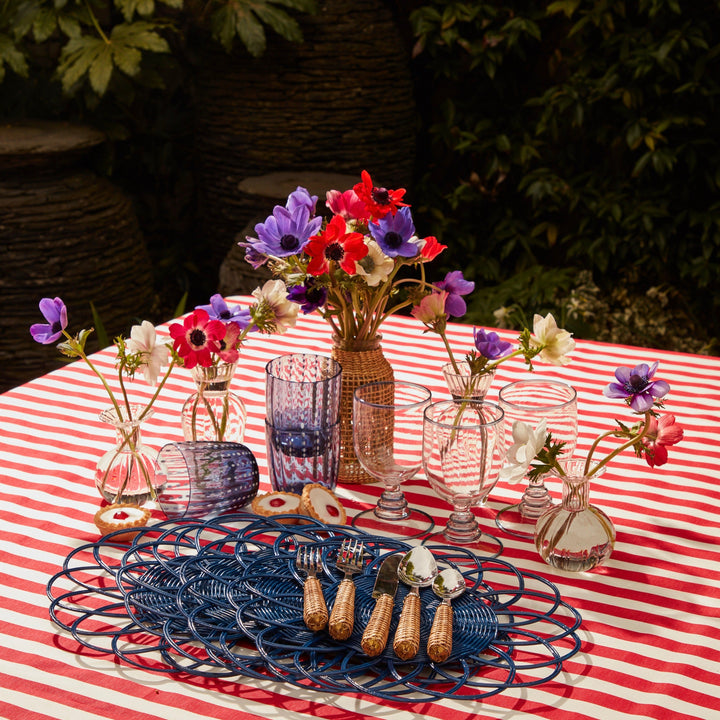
<point x="223" y="598"/>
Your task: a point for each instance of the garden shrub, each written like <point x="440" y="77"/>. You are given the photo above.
<point x="577" y="136"/>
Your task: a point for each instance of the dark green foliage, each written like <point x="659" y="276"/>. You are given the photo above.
<point x="576" y="135"/>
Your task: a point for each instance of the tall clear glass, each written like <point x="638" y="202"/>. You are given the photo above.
<point x="531" y="401"/>
<point x="387" y="435"/>
<point x="463" y="451"/>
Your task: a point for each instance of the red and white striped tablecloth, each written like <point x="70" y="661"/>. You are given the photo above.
<point x="651" y="615"/>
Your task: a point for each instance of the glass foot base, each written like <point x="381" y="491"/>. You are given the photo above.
<point x="512" y="521"/>
<point x="415" y="525"/>
<point x="485" y="545"/>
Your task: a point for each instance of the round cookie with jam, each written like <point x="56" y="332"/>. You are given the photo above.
<point x="320" y="503"/>
<point x="278" y="503"/>
<point x="121" y="516"/>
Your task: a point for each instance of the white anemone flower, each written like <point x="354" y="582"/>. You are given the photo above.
<point x="527" y="443"/>
<point x="376" y="266"/>
<point x="274" y="313"/>
<point x="555" y="342"/>
<point x="143" y="340"/>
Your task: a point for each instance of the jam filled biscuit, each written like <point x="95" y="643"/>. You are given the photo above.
<point x="321" y="504"/>
<point x="121" y="516"/>
<point x="278" y="503"/>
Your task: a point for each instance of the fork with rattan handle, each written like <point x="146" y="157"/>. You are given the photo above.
<point x="342" y="618"/>
<point x="315" y="614"/>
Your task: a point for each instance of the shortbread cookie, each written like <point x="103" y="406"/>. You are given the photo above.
<point x="320" y="503"/>
<point x="278" y="503"/>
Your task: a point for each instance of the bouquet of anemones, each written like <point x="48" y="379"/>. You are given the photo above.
<point x="534" y="453"/>
<point x="348" y="267"/>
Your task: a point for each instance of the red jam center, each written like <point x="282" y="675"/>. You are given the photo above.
<point x="332" y="511"/>
<point x="120" y="515"/>
<point x="277" y="502"/>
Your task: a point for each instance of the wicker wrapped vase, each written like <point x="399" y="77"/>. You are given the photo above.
<point x="362" y="362"/>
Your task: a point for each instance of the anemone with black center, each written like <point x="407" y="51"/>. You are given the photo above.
<point x="393" y="240"/>
<point x="380" y="195"/>
<point x="335" y="251"/>
<point x="56" y="327"/>
<point x="289" y="242"/>
<point x="197" y="337"/>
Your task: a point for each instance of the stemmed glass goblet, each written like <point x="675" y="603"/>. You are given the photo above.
<point x="463" y="451"/>
<point x="531" y="401"/>
<point x="387" y="428"/>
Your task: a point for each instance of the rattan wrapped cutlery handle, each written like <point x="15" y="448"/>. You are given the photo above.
<point x="315" y="612"/>
<point x="342" y="617"/>
<point x="439" y="644"/>
<point x="407" y="635"/>
<point x="375" y="637"/>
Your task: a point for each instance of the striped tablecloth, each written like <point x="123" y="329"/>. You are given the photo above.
<point x="651" y="615"/>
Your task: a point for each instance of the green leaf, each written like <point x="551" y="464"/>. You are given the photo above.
<point x="69" y="25"/>
<point x="142" y="35"/>
<point x="12" y="57"/>
<point x="44" y="24"/>
<point x="250" y="31"/>
<point x="279" y="21"/>
<point x="100" y="330"/>
<point x="100" y="70"/>
<point x="76" y="58"/>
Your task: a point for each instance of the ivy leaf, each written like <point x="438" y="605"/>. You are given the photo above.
<point x="280" y="22"/>
<point x="12" y="57"/>
<point x="44" y="24"/>
<point x="250" y="31"/>
<point x="97" y="58"/>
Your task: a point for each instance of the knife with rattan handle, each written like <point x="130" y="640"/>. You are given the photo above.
<point x="376" y="633"/>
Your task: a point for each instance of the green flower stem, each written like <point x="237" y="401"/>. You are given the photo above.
<point x="81" y="353"/>
<point x="157" y="391"/>
<point x="634" y="440"/>
<point x="121" y="368"/>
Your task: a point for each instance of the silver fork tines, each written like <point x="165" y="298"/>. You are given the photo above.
<point x="315" y="614"/>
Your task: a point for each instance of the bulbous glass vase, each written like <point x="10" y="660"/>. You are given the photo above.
<point x="213" y="412"/>
<point x="126" y="474"/>
<point x="575" y="536"/>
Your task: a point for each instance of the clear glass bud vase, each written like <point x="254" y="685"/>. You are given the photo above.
<point x="213" y="412"/>
<point x="126" y="474"/>
<point x="463" y="384"/>
<point x="575" y="536"/>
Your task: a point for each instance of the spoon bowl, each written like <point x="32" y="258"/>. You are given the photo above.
<point x="447" y="585"/>
<point x="418" y="568"/>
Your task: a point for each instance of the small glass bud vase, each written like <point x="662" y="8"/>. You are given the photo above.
<point x="575" y="536"/>
<point x="213" y="412"/>
<point x="126" y="474"/>
<point x="465" y="385"/>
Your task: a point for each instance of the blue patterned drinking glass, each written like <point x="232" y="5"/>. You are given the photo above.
<point x="204" y="479"/>
<point x="302" y="427"/>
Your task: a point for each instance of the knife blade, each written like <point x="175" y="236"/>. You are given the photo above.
<point x="375" y="637"/>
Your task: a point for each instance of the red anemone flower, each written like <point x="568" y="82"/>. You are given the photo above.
<point x="336" y="245"/>
<point x="197" y="338"/>
<point x="660" y="434"/>
<point x="432" y="248"/>
<point x="228" y="345"/>
<point x="378" y="200"/>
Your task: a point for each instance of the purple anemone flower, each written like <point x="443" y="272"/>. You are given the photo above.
<point x="285" y="233"/>
<point x="456" y="286"/>
<point x="309" y="296"/>
<point x="490" y="345"/>
<point x="299" y="198"/>
<point x="252" y="256"/>
<point x="218" y="309"/>
<point x="393" y="232"/>
<point x="637" y="386"/>
<point x="55" y="313"/>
